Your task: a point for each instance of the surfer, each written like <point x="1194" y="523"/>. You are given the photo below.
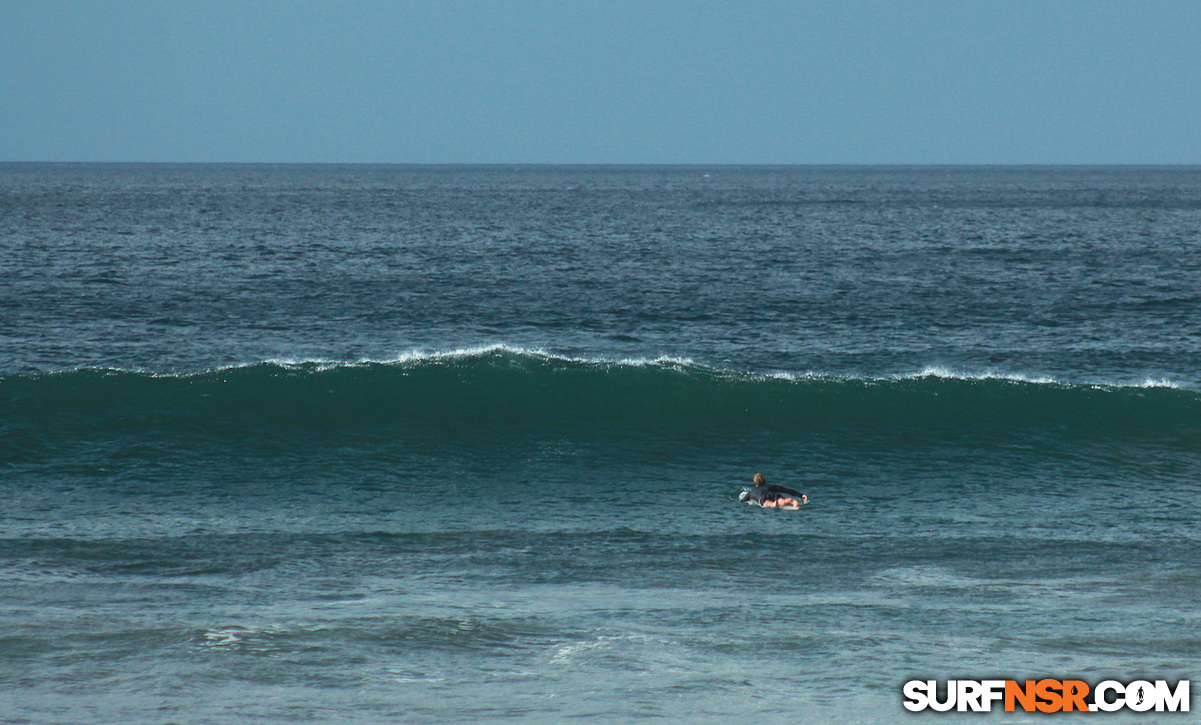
<point x="773" y="496"/>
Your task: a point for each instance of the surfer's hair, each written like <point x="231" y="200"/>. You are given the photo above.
<point x="760" y="479"/>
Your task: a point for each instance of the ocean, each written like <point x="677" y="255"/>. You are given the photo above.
<point x="375" y="444"/>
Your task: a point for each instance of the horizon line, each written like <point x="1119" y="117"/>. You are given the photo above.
<point x="605" y="164"/>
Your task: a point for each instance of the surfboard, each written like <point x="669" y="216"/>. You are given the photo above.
<point x="745" y="496"/>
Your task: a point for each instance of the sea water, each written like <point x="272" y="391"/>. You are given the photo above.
<point x="426" y="444"/>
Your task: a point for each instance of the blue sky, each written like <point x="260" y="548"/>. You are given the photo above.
<point x="518" y="81"/>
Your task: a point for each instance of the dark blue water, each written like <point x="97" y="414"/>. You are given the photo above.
<point x="378" y="444"/>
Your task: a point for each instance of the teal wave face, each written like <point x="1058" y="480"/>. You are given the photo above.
<point x="497" y="397"/>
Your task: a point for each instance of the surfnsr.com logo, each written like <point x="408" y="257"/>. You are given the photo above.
<point x="1046" y="695"/>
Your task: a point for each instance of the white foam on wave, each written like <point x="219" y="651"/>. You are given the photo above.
<point x="949" y="374"/>
<point x="1159" y="383"/>
<point x="938" y="371"/>
<point x="941" y="372"/>
<point x="414" y="355"/>
<point x="225" y="636"/>
<point x="320" y="365"/>
<point x="421" y="355"/>
<point x="566" y="652"/>
<point x="417" y="356"/>
<point x="409" y="357"/>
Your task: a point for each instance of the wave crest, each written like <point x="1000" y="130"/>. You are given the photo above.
<point x="498" y="393"/>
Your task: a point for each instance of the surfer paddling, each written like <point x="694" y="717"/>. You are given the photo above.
<point x="772" y="496"/>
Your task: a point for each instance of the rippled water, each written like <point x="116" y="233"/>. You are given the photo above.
<point x="377" y="444"/>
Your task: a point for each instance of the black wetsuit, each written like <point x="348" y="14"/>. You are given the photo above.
<point x="771" y="492"/>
